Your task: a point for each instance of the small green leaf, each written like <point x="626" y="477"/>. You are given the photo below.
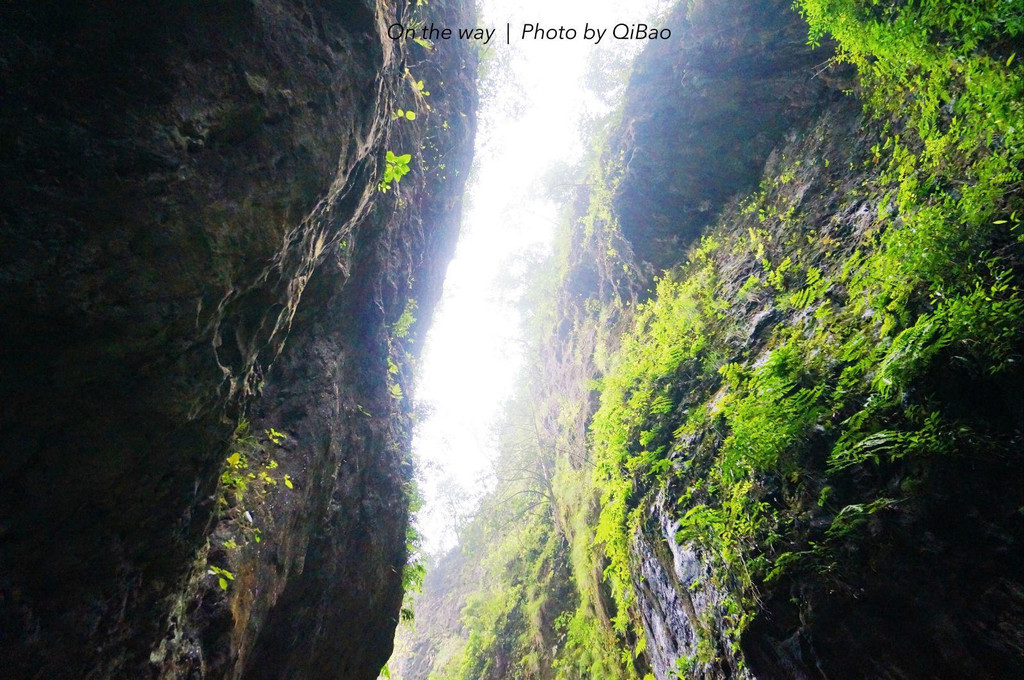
<point x="410" y="115"/>
<point x="223" y="583"/>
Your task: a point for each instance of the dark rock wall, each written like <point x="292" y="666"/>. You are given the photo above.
<point x="190" y="234"/>
<point x="703" y="110"/>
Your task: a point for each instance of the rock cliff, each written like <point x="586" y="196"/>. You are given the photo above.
<point x="210" y="314"/>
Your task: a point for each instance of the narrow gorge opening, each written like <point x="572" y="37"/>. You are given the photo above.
<point x="535" y="127"/>
<point x="438" y="341"/>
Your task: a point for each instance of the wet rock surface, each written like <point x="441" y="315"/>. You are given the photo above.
<point x="192" y="235"/>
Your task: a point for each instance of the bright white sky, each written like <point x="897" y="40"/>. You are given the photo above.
<point x="473" y="356"/>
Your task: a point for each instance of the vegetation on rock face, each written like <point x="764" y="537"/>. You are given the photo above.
<point x="810" y="420"/>
<point x="879" y="328"/>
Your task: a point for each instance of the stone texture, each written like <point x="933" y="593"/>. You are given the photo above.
<point x="190" y="234"/>
<point x="703" y="110"/>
